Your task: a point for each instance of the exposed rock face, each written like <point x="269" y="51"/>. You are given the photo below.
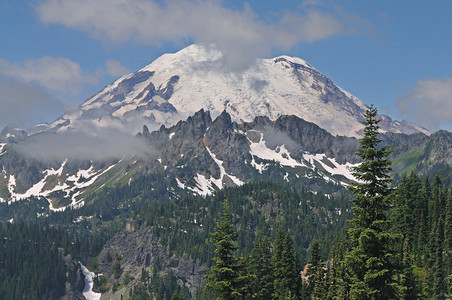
<point x="73" y="292"/>
<point x="439" y="147"/>
<point x="200" y="155"/>
<point x="141" y="249"/>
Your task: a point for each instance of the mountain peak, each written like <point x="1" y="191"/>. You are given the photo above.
<point x="177" y="85"/>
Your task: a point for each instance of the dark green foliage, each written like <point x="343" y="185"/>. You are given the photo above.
<point x="337" y="280"/>
<point x="448" y="240"/>
<point x="225" y="276"/>
<point x="410" y="288"/>
<point x="316" y="273"/>
<point x="185" y="224"/>
<point x="31" y="265"/>
<point x="260" y="269"/>
<point x="286" y="269"/>
<point x="372" y="259"/>
<point x="371" y="203"/>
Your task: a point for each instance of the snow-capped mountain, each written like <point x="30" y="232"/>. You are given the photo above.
<point x="280" y="120"/>
<point x="177" y="85"/>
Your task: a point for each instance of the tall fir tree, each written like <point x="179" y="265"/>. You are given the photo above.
<point x="287" y="282"/>
<point x="409" y="282"/>
<point x="316" y="273"/>
<point x="338" y="284"/>
<point x="439" y="278"/>
<point x="372" y="260"/>
<point x="260" y="268"/>
<point x="225" y="276"/>
<point x="448" y="243"/>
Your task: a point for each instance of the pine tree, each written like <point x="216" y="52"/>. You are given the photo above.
<point x="338" y="285"/>
<point x="261" y="269"/>
<point x="225" y="277"/>
<point x="278" y="267"/>
<point x="448" y="242"/>
<point x="287" y="282"/>
<point x="439" y="278"/>
<point x="315" y="271"/>
<point x="409" y="282"/>
<point x="371" y="262"/>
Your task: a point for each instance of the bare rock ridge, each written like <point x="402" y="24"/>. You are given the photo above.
<point x="141" y="249"/>
<point x="201" y="155"/>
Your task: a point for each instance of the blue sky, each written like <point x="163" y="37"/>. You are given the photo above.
<point x="54" y="54"/>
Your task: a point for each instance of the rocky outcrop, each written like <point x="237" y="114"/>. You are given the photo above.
<point x="142" y="249"/>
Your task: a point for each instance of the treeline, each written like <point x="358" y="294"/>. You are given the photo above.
<point x="37" y="260"/>
<point x="419" y="226"/>
<point x="263" y="214"/>
<point x="422" y="215"/>
<point x="258" y="209"/>
<point x="31" y="262"/>
<point x="398" y="244"/>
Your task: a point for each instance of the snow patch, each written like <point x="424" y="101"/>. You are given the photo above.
<point x="280" y="154"/>
<point x="219" y="182"/>
<point x="180" y="184"/>
<point x="203" y="186"/>
<point x="89" y="284"/>
<point x="72" y="185"/>
<point x="335" y="169"/>
<point x="260" y="167"/>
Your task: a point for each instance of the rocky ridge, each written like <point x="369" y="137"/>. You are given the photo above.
<point x="201" y="155"/>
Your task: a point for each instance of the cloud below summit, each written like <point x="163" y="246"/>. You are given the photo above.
<point x="240" y="34"/>
<point x="429" y="103"/>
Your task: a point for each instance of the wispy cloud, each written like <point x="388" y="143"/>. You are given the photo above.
<point x="240" y="34"/>
<point x="58" y="73"/>
<point x="31" y="91"/>
<point x="55" y="73"/>
<point x="24" y="104"/>
<point x="96" y="144"/>
<point x="429" y="103"/>
<point x="115" y="69"/>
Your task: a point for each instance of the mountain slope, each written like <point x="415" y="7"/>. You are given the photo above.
<point x="201" y="155"/>
<point x="177" y="85"/>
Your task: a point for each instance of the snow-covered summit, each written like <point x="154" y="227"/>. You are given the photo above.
<point x="177" y="85"/>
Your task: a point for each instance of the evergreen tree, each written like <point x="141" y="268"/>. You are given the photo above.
<point x="261" y="269"/>
<point x="278" y="267"/>
<point x="439" y="279"/>
<point x="315" y="271"/>
<point x="338" y="283"/>
<point x="448" y="242"/>
<point x="371" y="262"/>
<point x="287" y="283"/>
<point x="225" y="277"/>
<point x="409" y="283"/>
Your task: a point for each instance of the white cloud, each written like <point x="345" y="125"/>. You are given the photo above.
<point x="24" y="104"/>
<point x="429" y="103"/>
<point x="115" y="69"/>
<point x="28" y="90"/>
<point x="241" y="34"/>
<point x="56" y="73"/>
<point x="96" y="144"/>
